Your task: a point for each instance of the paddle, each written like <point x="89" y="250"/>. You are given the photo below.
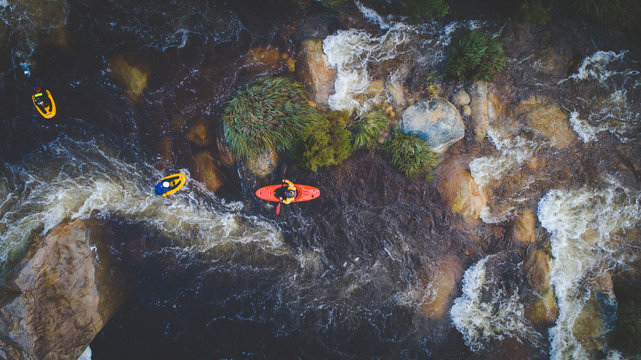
<point x="278" y="206"/>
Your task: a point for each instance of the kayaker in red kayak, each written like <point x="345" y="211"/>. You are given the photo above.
<point x="289" y="194"/>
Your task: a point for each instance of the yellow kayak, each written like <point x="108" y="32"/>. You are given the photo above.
<point x="44" y="104"/>
<point x="170" y="184"/>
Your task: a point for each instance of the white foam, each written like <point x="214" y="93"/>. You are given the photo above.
<point x="481" y="318"/>
<point x="86" y="355"/>
<point x="584" y="129"/>
<point x="595" y="66"/>
<point x="588" y="237"/>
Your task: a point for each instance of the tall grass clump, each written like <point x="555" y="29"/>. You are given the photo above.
<point x="475" y="56"/>
<point x="613" y="14"/>
<point x="410" y="154"/>
<point x="368" y="127"/>
<point x="325" y="142"/>
<point x="266" y="115"/>
<point x="533" y="12"/>
<point x="426" y="10"/>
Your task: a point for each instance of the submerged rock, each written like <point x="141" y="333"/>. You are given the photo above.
<point x="460" y="191"/>
<point x="549" y="120"/>
<point x="314" y="72"/>
<point x="523" y="230"/>
<point x="133" y="77"/>
<point x="537" y="271"/>
<point x="264" y="59"/>
<point x="199" y="133"/>
<point x="440" y="280"/>
<point x="206" y="171"/>
<point x="543" y="309"/>
<point x="61" y="297"/>
<point x="437" y="121"/>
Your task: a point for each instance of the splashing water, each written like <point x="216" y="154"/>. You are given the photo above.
<point x="486" y="311"/>
<point x="82" y="180"/>
<point x="589" y="228"/>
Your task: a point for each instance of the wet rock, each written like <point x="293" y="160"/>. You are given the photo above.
<point x="461" y="98"/>
<point x="397" y="94"/>
<point x="549" y="120"/>
<point x="523" y="231"/>
<point x="543" y="309"/>
<point x="264" y="164"/>
<point x="225" y="155"/>
<point x="313" y="71"/>
<point x="206" y="171"/>
<point x="133" y="77"/>
<point x="480" y="115"/>
<point x="58" y="36"/>
<point x="376" y="88"/>
<point x="553" y="61"/>
<point x="264" y="59"/>
<point x="537" y="271"/>
<point x="437" y="121"/>
<point x="458" y="189"/>
<point x="466" y="110"/>
<point x="440" y="280"/>
<point x="199" y="133"/>
<point x="598" y="316"/>
<point x="63" y="294"/>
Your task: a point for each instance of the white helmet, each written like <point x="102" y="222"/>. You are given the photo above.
<point x="165" y="184"/>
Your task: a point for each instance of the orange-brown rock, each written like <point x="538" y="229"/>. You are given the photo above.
<point x="199" y="133"/>
<point x="264" y="59"/>
<point x="438" y="282"/>
<point x="537" y="271"/>
<point x="479" y="106"/>
<point x="548" y="120"/>
<point x="458" y="189"/>
<point x="206" y="171"/>
<point x="314" y="72"/>
<point x="523" y="231"/>
<point x="63" y="294"/>
<point x="543" y="310"/>
<point x="130" y="73"/>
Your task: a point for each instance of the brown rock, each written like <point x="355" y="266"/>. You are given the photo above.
<point x="461" y="98"/>
<point x="439" y="280"/>
<point x="376" y="88"/>
<point x="466" y="110"/>
<point x="523" y="230"/>
<point x="543" y="310"/>
<point x="480" y="115"/>
<point x="64" y="294"/>
<point x="537" y="271"/>
<point x="133" y="77"/>
<point x="206" y="171"/>
<point x="199" y="133"/>
<point x="313" y="71"/>
<point x="225" y="155"/>
<point x="264" y="59"/>
<point x="549" y="120"/>
<point x="397" y="94"/>
<point x="458" y="189"/>
<point x="264" y="164"/>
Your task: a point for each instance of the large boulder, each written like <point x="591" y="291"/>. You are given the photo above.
<point x="460" y="191"/>
<point x="437" y="121"/>
<point x="548" y="120"/>
<point x="63" y="294"/>
<point x="314" y="72"/>
<point x="206" y="171"/>
<point x="439" y="281"/>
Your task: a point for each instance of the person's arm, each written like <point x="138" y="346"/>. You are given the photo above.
<point x="290" y="185"/>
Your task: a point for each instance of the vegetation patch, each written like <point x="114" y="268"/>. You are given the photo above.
<point x="613" y="14"/>
<point x="533" y="12"/>
<point x="269" y="114"/>
<point x="410" y="154"/>
<point x="367" y="128"/>
<point x="325" y="142"/>
<point x="475" y="56"/>
<point x="425" y="10"/>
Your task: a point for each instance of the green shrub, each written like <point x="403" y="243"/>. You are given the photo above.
<point x="410" y="154"/>
<point x="614" y="14"/>
<point x="475" y="56"/>
<point x="326" y="141"/>
<point x="533" y="12"/>
<point x="427" y="10"/>
<point x="368" y="127"/>
<point x="266" y="115"/>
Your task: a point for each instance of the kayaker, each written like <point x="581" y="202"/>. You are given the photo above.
<point x="289" y="194"/>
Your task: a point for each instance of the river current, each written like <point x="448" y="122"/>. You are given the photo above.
<point x="217" y="275"/>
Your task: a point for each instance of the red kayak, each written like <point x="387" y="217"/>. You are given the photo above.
<point x="303" y="192"/>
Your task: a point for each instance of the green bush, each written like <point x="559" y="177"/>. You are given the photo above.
<point x="410" y="154"/>
<point x="326" y="141"/>
<point x="427" y="10"/>
<point x="533" y="12"/>
<point x="475" y="56"/>
<point x="368" y="127"/>
<point x="266" y="115"/>
<point x="614" y="14"/>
